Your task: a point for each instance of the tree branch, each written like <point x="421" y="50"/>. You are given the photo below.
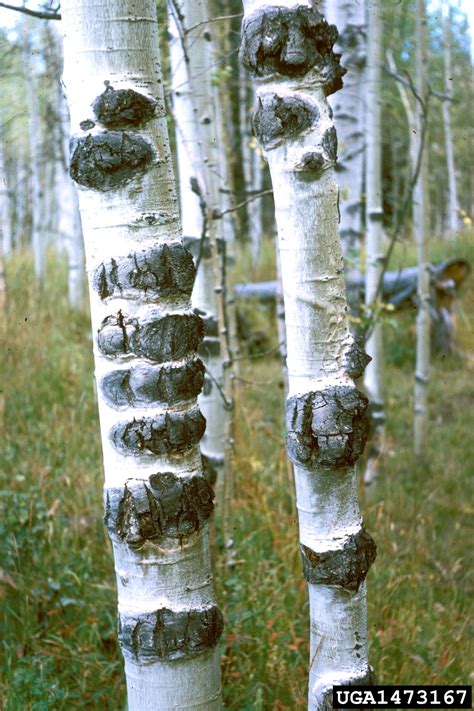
<point x="217" y="214"/>
<point x="213" y="19"/>
<point x="33" y="13"/>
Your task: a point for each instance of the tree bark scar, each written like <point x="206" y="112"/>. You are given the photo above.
<point x="211" y="467"/>
<point x="123" y="108"/>
<point x="144" y="385"/>
<point x="168" y="635"/>
<point x="290" y="42"/>
<point x="165" y="505"/>
<point x="280" y="117"/>
<point x="346" y="567"/>
<point x="323" y="697"/>
<point x="356" y="361"/>
<point x="165" y="271"/>
<point x="167" y="433"/>
<point x="329" y="143"/>
<point x="172" y="337"/>
<point x="326" y="428"/>
<point x="109" y="160"/>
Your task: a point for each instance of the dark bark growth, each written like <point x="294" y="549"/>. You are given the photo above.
<point x="166" y="505"/>
<point x="311" y="162"/>
<point x="291" y="42"/>
<point x="356" y="361"/>
<point x="325" y="695"/>
<point x="172" y="337"/>
<point x="277" y="118"/>
<point x="346" y="567"/>
<point x="164" y="271"/>
<point x="330" y="143"/>
<point x="167" y="433"/>
<point x="144" y="385"/>
<point x="87" y="125"/>
<point x="109" y="160"/>
<point x="168" y="635"/>
<point x="123" y="108"/>
<point x="326" y="428"/>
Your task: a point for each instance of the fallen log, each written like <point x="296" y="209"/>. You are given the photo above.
<point x="399" y="290"/>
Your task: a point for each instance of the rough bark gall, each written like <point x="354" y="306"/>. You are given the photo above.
<point x="109" y="160"/>
<point x="123" y="108"/>
<point x="171" y="337"/>
<point x="165" y="505"/>
<point x="169" y="635"/>
<point x="165" y="271"/>
<point x="291" y="41"/>
<point x="167" y="433"/>
<point x="326" y="428"/>
<point x="346" y="567"/>
<point x="356" y="361"/>
<point x="145" y="385"/>
<point x="280" y="117"/>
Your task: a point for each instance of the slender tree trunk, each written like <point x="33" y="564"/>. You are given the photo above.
<point x="374" y="240"/>
<point x="38" y="238"/>
<point x="157" y="502"/>
<point x="5" y="223"/>
<point x="68" y="220"/>
<point x="420" y="212"/>
<point x="198" y="166"/>
<point x="287" y="47"/>
<point x="349" y="109"/>
<point x="453" y="216"/>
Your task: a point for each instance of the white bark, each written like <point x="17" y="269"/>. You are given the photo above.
<point x="374" y="238"/>
<point x="145" y="342"/>
<point x="349" y="117"/>
<point x="38" y="237"/>
<point x="279" y="48"/>
<point x="420" y="228"/>
<point x="198" y="160"/>
<point x="4" y="206"/>
<point x="452" y="208"/>
<point x="69" y="229"/>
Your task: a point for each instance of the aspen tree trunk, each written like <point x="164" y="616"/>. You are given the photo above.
<point x="199" y="171"/>
<point x="349" y="109"/>
<point x="374" y="237"/>
<point x="287" y="47"/>
<point x="146" y="337"/>
<point x="420" y="227"/>
<point x="453" y="218"/>
<point x="5" y="224"/>
<point x="69" y="227"/>
<point x="38" y="238"/>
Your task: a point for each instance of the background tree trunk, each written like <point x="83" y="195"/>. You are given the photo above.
<point x="38" y="237"/>
<point x="374" y="254"/>
<point x="420" y="212"/>
<point x="157" y="502"/>
<point x="281" y="48"/>
<point x="453" y="215"/>
<point x="349" y="118"/>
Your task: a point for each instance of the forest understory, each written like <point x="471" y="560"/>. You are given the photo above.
<point x="57" y="586"/>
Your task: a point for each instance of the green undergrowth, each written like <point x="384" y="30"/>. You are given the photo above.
<point x="57" y="591"/>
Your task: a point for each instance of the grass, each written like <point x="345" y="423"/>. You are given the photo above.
<point x="57" y="588"/>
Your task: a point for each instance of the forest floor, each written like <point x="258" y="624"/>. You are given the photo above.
<point x="57" y="588"/>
